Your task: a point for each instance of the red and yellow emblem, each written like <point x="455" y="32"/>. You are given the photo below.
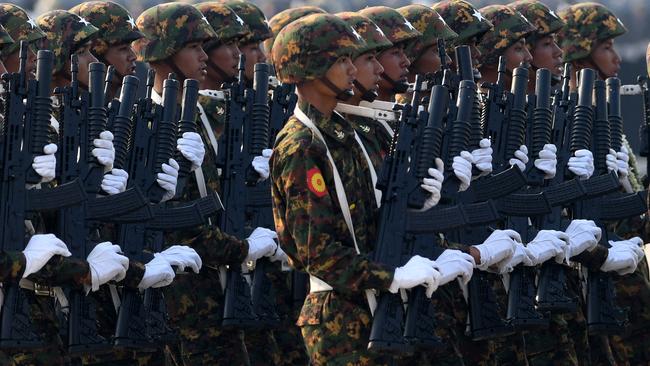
<point x="316" y="182"/>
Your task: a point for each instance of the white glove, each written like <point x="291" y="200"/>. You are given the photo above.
<point x="168" y="179"/>
<point x="582" y="164"/>
<point x="115" y="181"/>
<point x="433" y="185"/>
<point x="498" y="249"/>
<point x="583" y="235"/>
<point x="261" y="243"/>
<point x="454" y="263"/>
<point x="261" y="164"/>
<point x="181" y="256"/>
<point x="483" y="157"/>
<point x="417" y="271"/>
<point x="521" y="158"/>
<point x="192" y="148"/>
<point x="611" y="162"/>
<point x="157" y="273"/>
<point x="106" y="264"/>
<point x="462" y="166"/>
<point x="279" y="255"/>
<point x="520" y="257"/>
<point x="623" y="256"/>
<point x="45" y="165"/>
<point x="40" y="249"/>
<point x="547" y="161"/>
<point x="104" y="150"/>
<point x="622" y="159"/>
<point x="546" y="245"/>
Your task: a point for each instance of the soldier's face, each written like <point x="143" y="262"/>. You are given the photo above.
<point x="516" y="54"/>
<point x="429" y="60"/>
<point x="395" y="64"/>
<point x="342" y="74"/>
<point x="12" y="62"/>
<point x="191" y="61"/>
<point x="122" y="57"/>
<point x="226" y="57"/>
<point x="254" y="55"/>
<point x="85" y="59"/>
<point x="547" y="54"/>
<point x="605" y="57"/>
<point x="368" y="71"/>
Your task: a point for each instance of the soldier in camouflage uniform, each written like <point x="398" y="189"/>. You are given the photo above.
<point x="196" y="304"/>
<point x="588" y="41"/>
<point x="19" y="25"/>
<point x="281" y="19"/>
<point x="335" y="318"/>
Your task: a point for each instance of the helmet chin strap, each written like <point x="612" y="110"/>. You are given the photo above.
<point x="341" y="94"/>
<point x="398" y="86"/>
<point x="179" y="74"/>
<point x="369" y="95"/>
<point x="555" y="79"/>
<point x="224" y="75"/>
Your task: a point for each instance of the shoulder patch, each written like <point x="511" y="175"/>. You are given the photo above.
<point x="316" y="183"/>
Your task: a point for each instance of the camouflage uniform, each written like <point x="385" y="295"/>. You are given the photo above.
<point x="509" y="27"/>
<point x="226" y="23"/>
<point x="463" y="19"/>
<point x="428" y="22"/>
<point x="281" y="19"/>
<point x="336" y="323"/>
<point x="253" y="18"/>
<point x="16" y="22"/>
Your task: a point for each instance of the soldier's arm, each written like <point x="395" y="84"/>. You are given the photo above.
<point x="12" y="265"/>
<point x="59" y="271"/>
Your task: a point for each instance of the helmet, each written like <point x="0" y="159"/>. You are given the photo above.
<point x="586" y="24"/>
<point x="281" y="19"/>
<point x="428" y="22"/>
<point x="225" y="22"/>
<point x="114" y="22"/>
<point x="539" y="15"/>
<point x="253" y="18"/>
<point x="464" y="19"/>
<point x="509" y="27"/>
<point x="308" y="47"/>
<point x="20" y="27"/>
<point x="168" y="28"/>
<point x="5" y="39"/>
<point x="375" y="39"/>
<point x="392" y="23"/>
<point x="64" y="32"/>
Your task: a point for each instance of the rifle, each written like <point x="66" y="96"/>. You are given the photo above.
<point x="642" y="80"/>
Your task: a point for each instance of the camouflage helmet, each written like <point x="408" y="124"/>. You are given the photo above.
<point x="225" y="22"/>
<point x="281" y="19"/>
<point x="586" y="24"/>
<point x="115" y="24"/>
<point x="539" y="15"/>
<point x="5" y="40"/>
<point x="464" y="19"/>
<point x="168" y="28"/>
<point x="509" y="27"/>
<point x="64" y="32"/>
<point x="393" y="24"/>
<point x="305" y="49"/>
<point x="19" y="26"/>
<point x="375" y="39"/>
<point x="428" y="22"/>
<point x="253" y="18"/>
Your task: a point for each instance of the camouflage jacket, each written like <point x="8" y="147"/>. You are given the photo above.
<point x="374" y="137"/>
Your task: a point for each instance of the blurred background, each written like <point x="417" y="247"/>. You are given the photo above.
<point x="635" y="14"/>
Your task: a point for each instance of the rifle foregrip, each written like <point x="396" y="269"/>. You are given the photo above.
<point x="583" y="114"/>
<point x="122" y="123"/>
<point x="187" y="122"/>
<point x="614" y="112"/>
<point x="600" y="131"/>
<point x="261" y="111"/>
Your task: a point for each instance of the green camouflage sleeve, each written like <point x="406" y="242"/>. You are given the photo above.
<point x="60" y="271"/>
<point x="12" y="265"/>
<point x="593" y="259"/>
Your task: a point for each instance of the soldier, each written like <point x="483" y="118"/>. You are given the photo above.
<point x="281" y="19"/>
<point x="195" y="305"/>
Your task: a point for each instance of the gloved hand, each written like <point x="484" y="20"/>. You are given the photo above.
<point x="115" y="181"/>
<point x="181" y="256"/>
<point x="582" y="164"/>
<point x="433" y="185"/>
<point x="610" y="161"/>
<point x="417" y="271"/>
<point x="462" y="166"/>
<point x="546" y="245"/>
<point x="622" y="159"/>
<point x="583" y="235"/>
<point x="261" y="164"/>
<point x="157" y="273"/>
<point x="106" y="264"/>
<point x="168" y="179"/>
<point x="520" y="257"/>
<point x="192" y="148"/>
<point x="45" y="165"/>
<point x="547" y="161"/>
<point x="454" y="263"/>
<point x="623" y="256"/>
<point x="104" y="150"/>
<point x="261" y="243"/>
<point x="498" y="249"/>
<point x="279" y="255"/>
<point x="40" y="249"/>
<point x="483" y="157"/>
<point x="521" y="158"/>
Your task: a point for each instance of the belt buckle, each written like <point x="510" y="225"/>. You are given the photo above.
<point x="43" y="290"/>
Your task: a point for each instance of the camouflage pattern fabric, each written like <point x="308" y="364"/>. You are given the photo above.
<point x="463" y="19"/>
<point x="253" y="18"/>
<point x="281" y="19"/>
<point x="19" y="26"/>
<point x="539" y="15"/>
<point x="428" y="22"/>
<point x="5" y="38"/>
<point x="168" y="28"/>
<point x="64" y="32"/>
<point x="226" y="23"/>
<point x="12" y="265"/>
<point x="392" y="23"/>
<point x="586" y="24"/>
<point x="115" y="24"/>
<point x="509" y="27"/>
<point x="375" y="39"/>
<point x="308" y="47"/>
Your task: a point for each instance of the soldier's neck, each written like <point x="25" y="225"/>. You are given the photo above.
<point x="325" y="104"/>
<point x="386" y="95"/>
<point x="158" y="85"/>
